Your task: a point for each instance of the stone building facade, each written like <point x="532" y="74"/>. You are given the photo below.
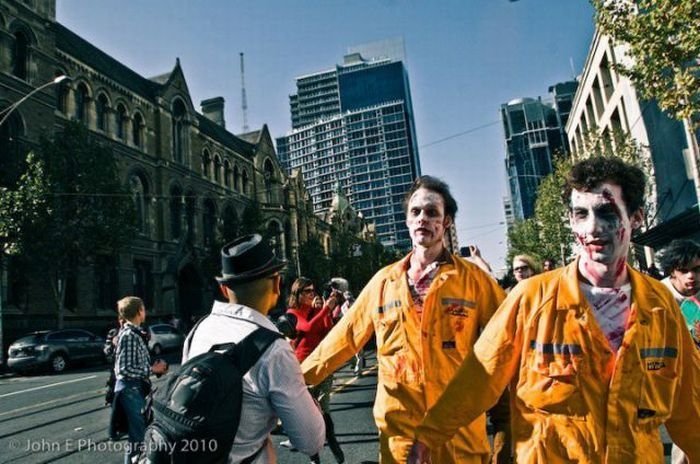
<point x="190" y="178"/>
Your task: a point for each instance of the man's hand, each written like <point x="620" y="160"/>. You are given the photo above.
<point x="475" y="251"/>
<point x="159" y="367"/>
<point x="420" y="454"/>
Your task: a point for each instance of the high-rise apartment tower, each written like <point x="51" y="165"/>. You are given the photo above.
<point x="353" y="129"/>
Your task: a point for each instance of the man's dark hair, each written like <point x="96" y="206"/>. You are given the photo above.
<point x="437" y="186"/>
<point x="590" y="173"/>
<point x="679" y="255"/>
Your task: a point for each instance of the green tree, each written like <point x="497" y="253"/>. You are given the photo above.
<point x="524" y="238"/>
<point x="252" y="219"/>
<point x="69" y="206"/>
<point x="313" y="261"/>
<point x="551" y="214"/>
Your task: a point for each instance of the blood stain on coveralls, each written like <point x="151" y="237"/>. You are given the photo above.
<point x="400" y="365"/>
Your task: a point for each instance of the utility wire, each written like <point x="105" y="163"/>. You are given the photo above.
<point x="482" y="226"/>
<point x="459" y="134"/>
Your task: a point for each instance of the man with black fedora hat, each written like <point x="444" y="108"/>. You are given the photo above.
<point x="274" y="387"/>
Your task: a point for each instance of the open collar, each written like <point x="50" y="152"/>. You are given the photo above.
<point x="644" y="295"/>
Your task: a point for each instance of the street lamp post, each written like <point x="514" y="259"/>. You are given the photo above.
<point x="8" y="111"/>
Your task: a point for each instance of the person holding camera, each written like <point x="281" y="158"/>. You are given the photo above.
<point x="313" y="322"/>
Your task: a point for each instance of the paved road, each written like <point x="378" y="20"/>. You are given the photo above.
<point x="62" y="418"/>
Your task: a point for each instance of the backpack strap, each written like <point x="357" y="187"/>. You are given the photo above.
<point x="190" y="337"/>
<point x="249" y="350"/>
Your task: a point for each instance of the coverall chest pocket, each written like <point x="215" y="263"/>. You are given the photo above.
<point x="552" y="385"/>
<point x="657" y="393"/>
<point x="390" y="332"/>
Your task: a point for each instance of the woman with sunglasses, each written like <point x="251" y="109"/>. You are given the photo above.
<point x="314" y="321"/>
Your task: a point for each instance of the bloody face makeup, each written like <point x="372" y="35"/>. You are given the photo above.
<point x="603" y="228"/>
<point x="425" y="218"/>
<point x="687" y="279"/>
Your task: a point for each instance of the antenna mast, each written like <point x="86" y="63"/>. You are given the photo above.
<point x="244" y="102"/>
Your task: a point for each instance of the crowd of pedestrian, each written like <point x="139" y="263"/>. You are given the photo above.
<point x="580" y="362"/>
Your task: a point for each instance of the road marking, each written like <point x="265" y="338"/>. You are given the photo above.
<point x="46" y="403"/>
<point x="354" y="379"/>
<point x="48" y="386"/>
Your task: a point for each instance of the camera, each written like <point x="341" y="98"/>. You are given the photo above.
<point x="465" y="252"/>
<point x="287" y="325"/>
<point x="329" y="288"/>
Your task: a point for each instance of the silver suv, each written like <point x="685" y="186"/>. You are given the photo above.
<point x="54" y="349"/>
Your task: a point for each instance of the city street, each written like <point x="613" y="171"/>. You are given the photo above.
<point x="62" y="418"/>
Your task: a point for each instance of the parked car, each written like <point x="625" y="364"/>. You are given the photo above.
<point x="54" y="349"/>
<point x="164" y="337"/>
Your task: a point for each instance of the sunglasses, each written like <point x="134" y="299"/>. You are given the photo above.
<point x="308" y="290"/>
<point x="521" y="268"/>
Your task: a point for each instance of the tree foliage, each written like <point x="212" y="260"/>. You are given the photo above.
<point x="524" y="238"/>
<point x="313" y="261"/>
<point x="69" y="206"/>
<point x="551" y="213"/>
<point x="252" y="220"/>
<point x="664" y="43"/>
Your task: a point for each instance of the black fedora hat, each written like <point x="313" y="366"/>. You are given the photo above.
<point x="247" y="258"/>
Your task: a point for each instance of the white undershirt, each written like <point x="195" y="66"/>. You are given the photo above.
<point x="611" y="307"/>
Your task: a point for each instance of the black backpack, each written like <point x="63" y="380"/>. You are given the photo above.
<point x="197" y="411"/>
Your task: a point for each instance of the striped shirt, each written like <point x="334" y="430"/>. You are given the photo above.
<point x="132" y="359"/>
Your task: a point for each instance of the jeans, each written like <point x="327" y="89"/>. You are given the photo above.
<point x="133" y="400"/>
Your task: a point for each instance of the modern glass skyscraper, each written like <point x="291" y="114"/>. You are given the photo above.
<point x="534" y="132"/>
<point x="352" y="127"/>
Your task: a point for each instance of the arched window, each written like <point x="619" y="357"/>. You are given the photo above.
<point x="137" y="130"/>
<point x="190" y="214"/>
<point x="269" y="175"/>
<point x="62" y="91"/>
<point x="81" y="103"/>
<point x="217" y="169"/>
<point x="244" y="182"/>
<point x="101" y="111"/>
<point x="230" y="224"/>
<point x="206" y="164"/>
<point x="236" y="179"/>
<point x="227" y="173"/>
<point x="20" y="55"/>
<point x="179" y="113"/>
<point x="121" y="122"/>
<point x="12" y="150"/>
<point x="275" y="238"/>
<point x="139" y="194"/>
<point x="175" y="212"/>
<point x="209" y="222"/>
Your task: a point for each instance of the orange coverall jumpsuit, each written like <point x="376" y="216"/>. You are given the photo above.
<point x="572" y="398"/>
<point x="416" y="358"/>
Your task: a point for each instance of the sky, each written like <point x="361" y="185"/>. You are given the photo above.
<point x="464" y="57"/>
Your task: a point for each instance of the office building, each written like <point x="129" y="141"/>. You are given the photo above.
<point x="534" y="134"/>
<point x="353" y="129"/>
